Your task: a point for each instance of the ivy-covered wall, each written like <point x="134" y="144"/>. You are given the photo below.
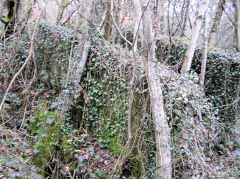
<point x="222" y="75"/>
<point x="101" y="107"/>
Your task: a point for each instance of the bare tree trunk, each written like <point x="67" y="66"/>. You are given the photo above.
<point x="162" y="130"/>
<point x="205" y="51"/>
<point x="216" y="23"/>
<point x="237" y="125"/>
<point x="185" y="18"/>
<point x="8" y="17"/>
<point x="203" y="5"/>
<point x="237" y="23"/>
<point x="163" y="26"/>
<point x="107" y="27"/>
<point x="138" y="28"/>
<point x="159" y="14"/>
<point x="169" y="23"/>
<point x="74" y="78"/>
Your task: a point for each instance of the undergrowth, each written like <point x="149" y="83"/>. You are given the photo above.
<point x="91" y="139"/>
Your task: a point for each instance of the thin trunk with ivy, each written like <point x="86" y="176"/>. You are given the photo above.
<point x="187" y="61"/>
<point x="162" y="130"/>
<point x="76" y="71"/>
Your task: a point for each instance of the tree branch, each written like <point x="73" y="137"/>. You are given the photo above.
<point x="27" y="60"/>
<point x="115" y="24"/>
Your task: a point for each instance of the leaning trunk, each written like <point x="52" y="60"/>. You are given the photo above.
<point x="203" y="5"/>
<point x="162" y="130"/>
<point x="216" y="23"/>
<point x="205" y="52"/>
<point x="75" y="72"/>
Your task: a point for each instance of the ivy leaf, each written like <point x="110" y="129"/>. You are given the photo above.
<point x="80" y="158"/>
<point x="49" y="121"/>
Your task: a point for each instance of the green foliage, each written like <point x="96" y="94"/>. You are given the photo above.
<point x="45" y="126"/>
<point x="191" y="109"/>
<point x="23" y="2"/>
<point x="66" y="3"/>
<point x="222" y="77"/>
<point x="52" y="137"/>
<point x="53" y="50"/>
<point x="14" y="159"/>
<point x="106" y="112"/>
<point x="104" y="91"/>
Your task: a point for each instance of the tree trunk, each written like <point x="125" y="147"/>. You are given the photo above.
<point x="216" y="23"/>
<point x="9" y="17"/>
<point x="162" y="130"/>
<point x="237" y="23"/>
<point x="138" y="28"/>
<point x="159" y="14"/>
<point x="185" y="18"/>
<point x="203" y="5"/>
<point x="205" y="51"/>
<point x="107" y="27"/>
<point x="74" y="77"/>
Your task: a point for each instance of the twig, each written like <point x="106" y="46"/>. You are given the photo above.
<point x="115" y="24"/>
<point x="95" y="28"/>
<point x="70" y="16"/>
<point x="230" y="19"/>
<point x="67" y="168"/>
<point x="121" y="162"/>
<point x="227" y="105"/>
<point x="27" y="60"/>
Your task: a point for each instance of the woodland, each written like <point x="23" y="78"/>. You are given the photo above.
<point x="120" y="89"/>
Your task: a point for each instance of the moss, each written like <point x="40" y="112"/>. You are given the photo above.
<point x="107" y="113"/>
<point x="137" y="169"/>
<point x="45" y="126"/>
<point x="68" y="149"/>
<point x="114" y="143"/>
<point x="114" y="146"/>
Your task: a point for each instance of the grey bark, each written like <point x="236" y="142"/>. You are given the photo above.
<point x="237" y="23"/>
<point x="75" y="75"/>
<point x="185" y="18"/>
<point x="203" y="5"/>
<point x="107" y="27"/>
<point x="215" y="27"/>
<point x="162" y="130"/>
<point x="138" y="28"/>
<point x="205" y="52"/>
<point x="159" y="15"/>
